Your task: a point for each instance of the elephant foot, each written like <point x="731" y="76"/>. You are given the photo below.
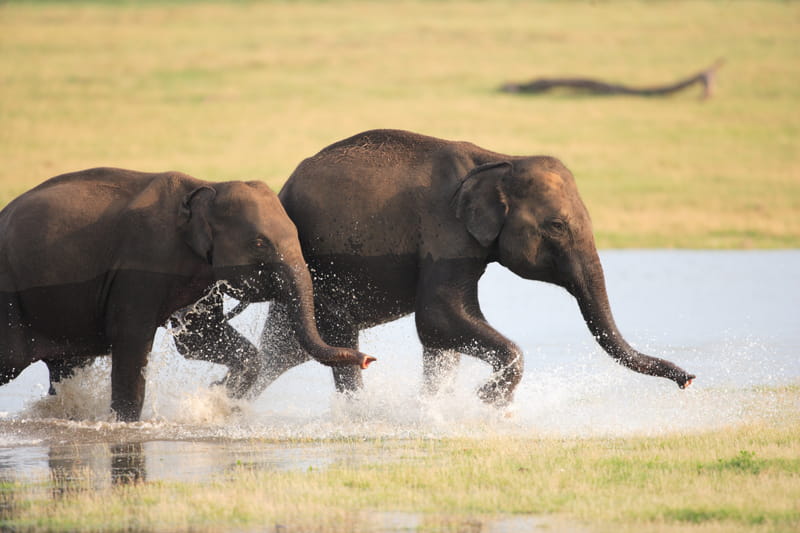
<point x="237" y="383"/>
<point x="445" y="391"/>
<point x="496" y="393"/>
<point x="499" y="390"/>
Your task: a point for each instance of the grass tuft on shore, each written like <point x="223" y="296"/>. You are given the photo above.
<point x="738" y="479"/>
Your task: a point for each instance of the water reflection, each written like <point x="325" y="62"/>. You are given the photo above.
<point x="127" y="463"/>
<point x="95" y="466"/>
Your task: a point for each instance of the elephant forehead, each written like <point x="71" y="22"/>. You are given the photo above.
<point x="550" y="181"/>
<point x="247" y="202"/>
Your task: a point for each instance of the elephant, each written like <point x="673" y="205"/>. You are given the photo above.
<point x="93" y="262"/>
<point x="393" y="222"/>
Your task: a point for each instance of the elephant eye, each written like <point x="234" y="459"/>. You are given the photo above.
<point x="260" y="242"/>
<point x="557" y="226"/>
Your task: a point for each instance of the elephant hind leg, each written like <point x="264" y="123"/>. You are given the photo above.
<point x="9" y="372"/>
<point x="438" y="369"/>
<point x="280" y="350"/>
<point x="61" y="369"/>
<point x="15" y="352"/>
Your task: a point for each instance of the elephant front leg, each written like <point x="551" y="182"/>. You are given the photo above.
<point x="204" y="334"/>
<point x="280" y="350"/>
<point x="348" y="379"/>
<point x="336" y="331"/>
<point x="486" y="344"/>
<point x="131" y="324"/>
<point x="449" y="319"/>
<point x="507" y="365"/>
<point x="128" y="363"/>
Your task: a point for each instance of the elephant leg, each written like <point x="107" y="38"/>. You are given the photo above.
<point x="9" y="371"/>
<point x="507" y="364"/>
<point x="11" y="364"/>
<point x="282" y="351"/>
<point x="438" y="369"/>
<point x="128" y="362"/>
<point x="61" y="369"/>
<point x="337" y="332"/>
<point x="279" y="347"/>
<point x="472" y="336"/>
<point x="14" y="350"/>
<point x="131" y="322"/>
<point x="348" y="379"/>
<point x="448" y="317"/>
<point x="204" y="334"/>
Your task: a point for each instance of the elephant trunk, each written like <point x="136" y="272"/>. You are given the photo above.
<point x="590" y="291"/>
<point x="298" y="294"/>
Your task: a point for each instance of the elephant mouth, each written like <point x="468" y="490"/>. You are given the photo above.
<point x="250" y="282"/>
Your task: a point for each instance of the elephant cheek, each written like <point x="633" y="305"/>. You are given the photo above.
<point x="523" y="257"/>
<point x="248" y="282"/>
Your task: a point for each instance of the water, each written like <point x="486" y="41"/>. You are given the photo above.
<point x="731" y="318"/>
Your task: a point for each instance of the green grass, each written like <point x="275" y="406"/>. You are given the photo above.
<point x="738" y="479"/>
<point x="247" y="90"/>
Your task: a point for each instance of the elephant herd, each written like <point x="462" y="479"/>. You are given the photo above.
<point x="372" y="228"/>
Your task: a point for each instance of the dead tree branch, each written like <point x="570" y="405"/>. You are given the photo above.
<point x="707" y="78"/>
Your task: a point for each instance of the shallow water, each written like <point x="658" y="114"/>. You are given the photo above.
<point x="729" y="317"/>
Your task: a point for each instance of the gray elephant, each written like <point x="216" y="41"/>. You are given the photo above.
<point x="392" y="222"/>
<point x="93" y="262"/>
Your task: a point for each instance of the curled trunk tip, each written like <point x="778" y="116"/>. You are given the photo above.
<point x="593" y="301"/>
<point x="335" y="357"/>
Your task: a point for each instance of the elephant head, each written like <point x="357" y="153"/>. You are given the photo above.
<point x="243" y="232"/>
<point x="527" y="213"/>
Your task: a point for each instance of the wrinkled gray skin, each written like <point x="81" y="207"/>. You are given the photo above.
<point x="392" y="222"/>
<point x="93" y="262"/>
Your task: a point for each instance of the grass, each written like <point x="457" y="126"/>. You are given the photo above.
<point x="247" y="90"/>
<point x="738" y="479"/>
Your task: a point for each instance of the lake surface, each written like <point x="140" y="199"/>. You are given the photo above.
<point x="731" y="318"/>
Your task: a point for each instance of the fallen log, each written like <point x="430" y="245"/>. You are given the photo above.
<point x="707" y="78"/>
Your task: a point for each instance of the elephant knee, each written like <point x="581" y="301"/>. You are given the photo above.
<point x="435" y="331"/>
<point x="510" y="363"/>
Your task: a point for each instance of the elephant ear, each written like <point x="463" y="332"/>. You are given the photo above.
<point x="194" y="215"/>
<point x="480" y="202"/>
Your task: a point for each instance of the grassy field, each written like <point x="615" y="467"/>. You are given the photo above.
<point x="739" y="479"/>
<point x="248" y="89"/>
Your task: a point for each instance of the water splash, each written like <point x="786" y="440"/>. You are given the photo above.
<point x="570" y="387"/>
<point x="586" y="395"/>
<point x="86" y="396"/>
